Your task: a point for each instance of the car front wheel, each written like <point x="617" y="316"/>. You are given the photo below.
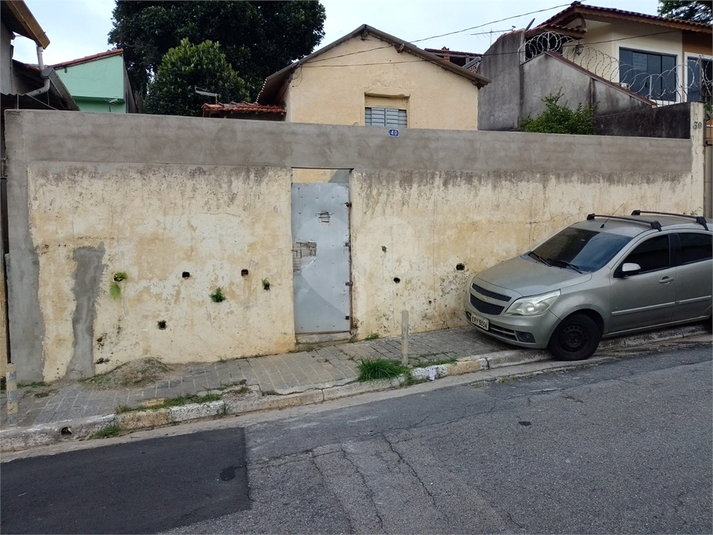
<point x="576" y="338"/>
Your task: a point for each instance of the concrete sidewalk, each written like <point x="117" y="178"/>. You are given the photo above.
<point x="79" y="410"/>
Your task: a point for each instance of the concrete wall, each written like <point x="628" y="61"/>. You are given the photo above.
<point x="92" y="195"/>
<point x="336" y="86"/>
<point x="547" y="75"/>
<point x="499" y="101"/>
<point x="672" y="121"/>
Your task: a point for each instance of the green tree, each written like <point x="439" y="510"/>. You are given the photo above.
<point x="187" y="67"/>
<point x="558" y="119"/>
<point x="257" y="38"/>
<point x="693" y="10"/>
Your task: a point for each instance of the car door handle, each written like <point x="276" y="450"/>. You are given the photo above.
<point x="666" y="280"/>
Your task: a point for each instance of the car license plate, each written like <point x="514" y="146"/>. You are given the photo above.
<point x="478" y="321"/>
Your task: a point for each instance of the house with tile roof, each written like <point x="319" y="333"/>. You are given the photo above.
<point x="618" y="59"/>
<point x="99" y="83"/>
<point x="370" y="78"/>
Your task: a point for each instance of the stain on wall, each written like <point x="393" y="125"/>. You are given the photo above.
<point x="87" y="277"/>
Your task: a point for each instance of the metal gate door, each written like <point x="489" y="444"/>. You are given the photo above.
<point x="320" y="257"/>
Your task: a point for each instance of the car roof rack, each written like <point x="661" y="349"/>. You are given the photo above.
<point x="699" y="219"/>
<point x="653" y="224"/>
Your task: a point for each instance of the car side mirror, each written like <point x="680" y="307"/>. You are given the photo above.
<point x="630" y="268"/>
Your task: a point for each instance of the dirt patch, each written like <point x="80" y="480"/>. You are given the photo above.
<point x="135" y="374"/>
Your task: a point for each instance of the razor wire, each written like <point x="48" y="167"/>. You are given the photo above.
<point x="691" y="80"/>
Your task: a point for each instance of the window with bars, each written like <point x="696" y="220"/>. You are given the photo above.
<point x="389" y="117"/>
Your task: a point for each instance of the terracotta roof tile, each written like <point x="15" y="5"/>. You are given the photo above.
<point x="242" y="107"/>
<point x="100" y="55"/>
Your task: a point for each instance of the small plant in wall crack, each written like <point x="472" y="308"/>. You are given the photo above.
<point x="114" y="288"/>
<point x="218" y="296"/>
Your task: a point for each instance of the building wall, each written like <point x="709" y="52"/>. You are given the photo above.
<point x="499" y="101"/>
<point x="94" y="84"/>
<point x="93" y="195"/>
<point x="6" y="78"/>
<point x="336" y="86"/>
<point x="545" y="75"/>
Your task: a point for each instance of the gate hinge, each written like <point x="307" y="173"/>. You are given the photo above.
<point x="348" y="283"/>
<point x="348" y="204"/>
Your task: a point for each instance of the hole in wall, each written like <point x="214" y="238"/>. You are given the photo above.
<point x="66" y="431"/>
<point x="460" y="267"/>
<point x="244" y="272"/>
<point x="397" y="280"/>
<point x="186" y="275"/>
<point x="162" y="325"/>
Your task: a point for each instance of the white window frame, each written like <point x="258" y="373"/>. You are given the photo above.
<point x="687" y="56"/>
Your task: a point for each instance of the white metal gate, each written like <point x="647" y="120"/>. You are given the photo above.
<point x="321" y="258"/>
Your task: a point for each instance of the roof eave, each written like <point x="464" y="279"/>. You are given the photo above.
<point x="275" y="82"/>
<point x="29" y="26"/>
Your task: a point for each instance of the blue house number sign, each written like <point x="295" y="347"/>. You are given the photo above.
<point x="394" y="132"/>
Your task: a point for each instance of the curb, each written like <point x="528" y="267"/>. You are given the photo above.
<point x="18" y="439"/>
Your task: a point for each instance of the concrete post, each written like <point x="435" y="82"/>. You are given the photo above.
<point x="11" y="392"/>
<point x="404" y="337"/>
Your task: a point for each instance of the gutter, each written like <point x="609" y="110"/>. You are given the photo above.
<point x="45" y="73"/>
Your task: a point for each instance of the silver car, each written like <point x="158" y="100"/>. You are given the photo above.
<point x="605" y="276"/>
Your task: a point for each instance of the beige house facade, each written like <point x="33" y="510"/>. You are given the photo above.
<point x="666" y="60"/>
<point x="371" y="78"/>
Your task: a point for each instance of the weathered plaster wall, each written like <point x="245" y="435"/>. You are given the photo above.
<point x="92" y="195"/>
<point x="178" y="232"/>
<point x="433" y="230"/>
<point x="335" y="88"/>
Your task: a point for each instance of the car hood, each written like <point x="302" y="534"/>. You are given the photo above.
<point x="525" y="276"/>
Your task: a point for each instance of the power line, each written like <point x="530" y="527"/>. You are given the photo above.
<point x="492" y="22"/>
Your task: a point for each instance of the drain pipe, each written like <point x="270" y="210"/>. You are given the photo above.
<point x="45" y="73"/>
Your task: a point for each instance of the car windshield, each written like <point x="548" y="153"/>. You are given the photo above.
<point x="579" y="249"/>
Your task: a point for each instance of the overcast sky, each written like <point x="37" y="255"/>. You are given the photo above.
<point x="78" y="28"/>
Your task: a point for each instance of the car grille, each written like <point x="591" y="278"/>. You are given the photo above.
<point x="485" y="308"/>
<point x="488" y="293"/>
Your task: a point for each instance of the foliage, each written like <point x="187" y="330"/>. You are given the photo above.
<point x="218" y="296"/>
<point x="185" y="68"/>
<point x="694" y="11"/>
<point x="371" y="370"/>
<point x="258" y="38"/>
<point x="113" y="430"/>
<point x="558" y="119"/>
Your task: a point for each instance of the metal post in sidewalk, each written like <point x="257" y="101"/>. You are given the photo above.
<point x="11" y="393"/>
<point x="404" y="337"/>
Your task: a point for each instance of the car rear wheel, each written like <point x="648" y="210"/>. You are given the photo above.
<point x="576" y="338"/>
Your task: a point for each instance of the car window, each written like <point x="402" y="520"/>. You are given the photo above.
<point x="695" y="247"/>
<point x="652" y="255"/>
<point x="587" y="250"/>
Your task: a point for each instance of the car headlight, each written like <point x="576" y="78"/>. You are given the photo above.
<point x="531" y="306"/>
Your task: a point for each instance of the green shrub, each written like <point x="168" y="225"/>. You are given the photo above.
<point x="558" y="119"/>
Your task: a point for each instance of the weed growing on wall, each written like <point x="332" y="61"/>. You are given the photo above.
<point x="114" y="288"/>
<point x="217" y="296"/>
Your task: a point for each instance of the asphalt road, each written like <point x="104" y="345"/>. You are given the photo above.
<point x="622" y="447"/>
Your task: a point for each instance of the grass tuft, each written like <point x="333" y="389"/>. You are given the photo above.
<point x="113" y="430"/>
<point x="374" y="370"/>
